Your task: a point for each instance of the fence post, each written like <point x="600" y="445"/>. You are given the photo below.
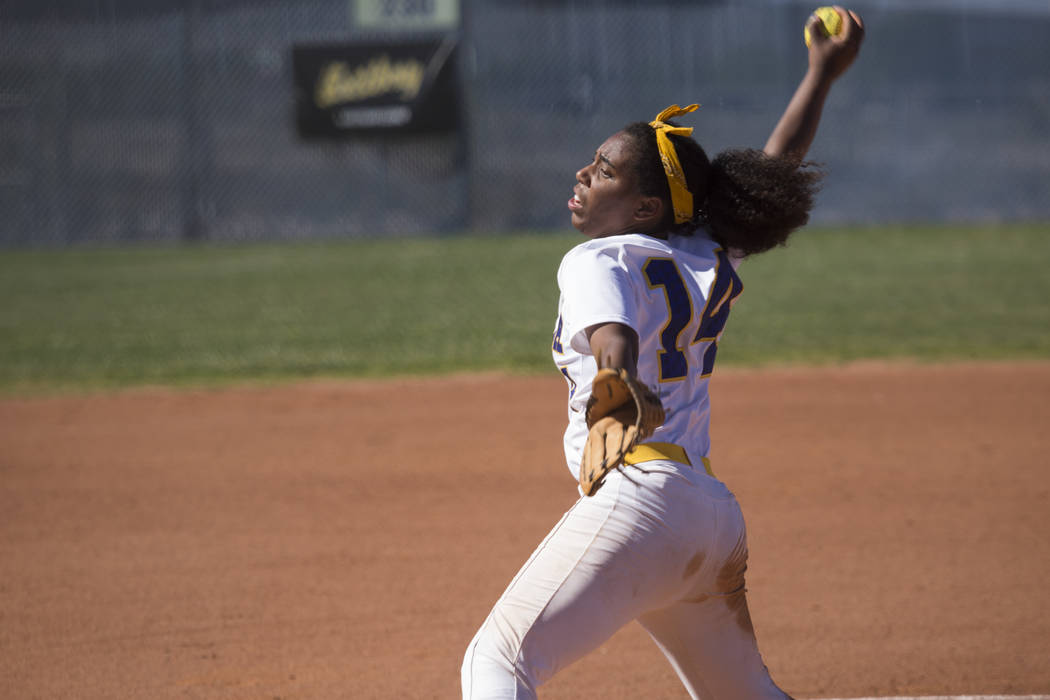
<point x="194" y="152"/>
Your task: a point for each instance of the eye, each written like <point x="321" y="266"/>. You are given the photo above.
<point x="605" y="173"/>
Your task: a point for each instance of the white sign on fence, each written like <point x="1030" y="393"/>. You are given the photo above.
<point x="414" y="15"/>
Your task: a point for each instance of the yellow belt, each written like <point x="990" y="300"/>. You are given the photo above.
<point x="662" y="450"/>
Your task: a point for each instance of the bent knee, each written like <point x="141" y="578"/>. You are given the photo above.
<point x="493" y="666"/>
<point x="490" y="648"/>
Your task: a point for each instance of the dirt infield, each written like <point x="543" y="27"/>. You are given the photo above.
<point x="240" y="543"/>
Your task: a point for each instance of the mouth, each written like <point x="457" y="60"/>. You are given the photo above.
<point x="575" y="203"/>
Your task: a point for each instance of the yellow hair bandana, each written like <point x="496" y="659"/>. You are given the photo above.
<point x="681" y="197"/>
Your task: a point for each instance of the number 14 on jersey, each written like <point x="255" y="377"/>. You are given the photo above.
<point x="673" y="355"/>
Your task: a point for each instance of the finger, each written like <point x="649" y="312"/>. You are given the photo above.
<point x="614" y="445"/>
<point x="818" y="32"/>
<point x="816" y="27"/>
<point x="595" y="448"/>
<point x="627" y="439"/>
<point x="857" y="26"/>
<point x="591" y="462"/>
<point x="851" y="24"/>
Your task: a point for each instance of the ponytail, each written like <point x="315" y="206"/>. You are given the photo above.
<point x="755" y="201"/>
<point x="750" y="201"/>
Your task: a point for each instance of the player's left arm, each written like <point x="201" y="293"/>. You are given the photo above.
<point x="621" y="411"/>
<point x="615" y="346"/>
<point x="829" y="58"/>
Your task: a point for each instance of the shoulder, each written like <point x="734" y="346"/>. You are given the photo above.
<point x="621" y="248"/>
<point x="619" y="257"/>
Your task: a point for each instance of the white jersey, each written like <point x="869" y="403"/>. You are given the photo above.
<point x="676" y="295"/>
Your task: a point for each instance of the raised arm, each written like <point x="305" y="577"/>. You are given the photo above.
<point x="829" y="57"/>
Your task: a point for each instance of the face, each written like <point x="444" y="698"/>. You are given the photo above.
<point x="606" y="200"/>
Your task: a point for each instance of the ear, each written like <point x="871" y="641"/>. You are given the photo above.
<point x="649" y="210"/>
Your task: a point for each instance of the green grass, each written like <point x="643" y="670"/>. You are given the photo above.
<point x="929" y="294"/>
<point x="81" y="319"/>
<point x="92" y="318"/>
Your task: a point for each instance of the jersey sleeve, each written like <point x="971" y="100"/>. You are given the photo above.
<point x="596" y="288"/>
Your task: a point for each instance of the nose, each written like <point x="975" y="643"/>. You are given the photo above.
<point x="583" y="175"/>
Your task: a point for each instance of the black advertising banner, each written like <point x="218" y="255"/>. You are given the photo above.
<point x="366" y="87"/>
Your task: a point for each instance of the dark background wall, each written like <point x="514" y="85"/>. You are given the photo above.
<point x="166" y="120"/>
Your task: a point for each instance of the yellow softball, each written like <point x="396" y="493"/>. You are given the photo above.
<point x="832" y="22"/>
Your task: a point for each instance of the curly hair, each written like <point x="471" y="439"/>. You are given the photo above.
<point x="750" y="201"/>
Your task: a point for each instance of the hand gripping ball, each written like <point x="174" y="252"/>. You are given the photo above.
<point x="832" y="22"/>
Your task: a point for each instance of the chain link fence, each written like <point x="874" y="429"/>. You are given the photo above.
<point x="170" y="120"/>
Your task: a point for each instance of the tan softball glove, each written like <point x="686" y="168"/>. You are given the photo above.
<point x="620" y="412"/>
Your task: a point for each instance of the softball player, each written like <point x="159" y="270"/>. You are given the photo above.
<point x="661" y="541"/>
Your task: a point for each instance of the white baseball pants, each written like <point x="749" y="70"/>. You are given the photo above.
<point x="662" y="543"/>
